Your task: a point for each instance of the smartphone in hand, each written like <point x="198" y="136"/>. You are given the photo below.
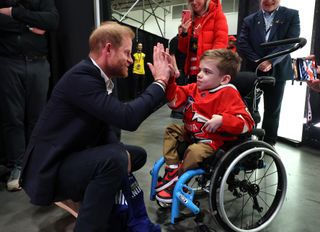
<point x="304" y="69"/>
<point x="185" y="15"/>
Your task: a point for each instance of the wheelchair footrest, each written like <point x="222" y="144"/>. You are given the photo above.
<point x="184" y="194"/>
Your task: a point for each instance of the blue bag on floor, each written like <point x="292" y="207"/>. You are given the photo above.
<point x="129" y="213"/>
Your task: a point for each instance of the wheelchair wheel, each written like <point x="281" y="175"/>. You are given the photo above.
<point x="248" y="187"/>
<point x="200" y="184"/>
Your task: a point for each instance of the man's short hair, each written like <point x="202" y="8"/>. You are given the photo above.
<point x="228" y="61"/>
<point x="109" y="32"/>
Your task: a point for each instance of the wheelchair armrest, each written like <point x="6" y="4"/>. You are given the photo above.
<point x="266" y="80"/>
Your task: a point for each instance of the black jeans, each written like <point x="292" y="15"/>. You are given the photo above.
<point x="94" y="176"/>
<point x="23" y="93"/>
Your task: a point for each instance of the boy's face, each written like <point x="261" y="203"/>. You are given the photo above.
<point x="209" y="76"/>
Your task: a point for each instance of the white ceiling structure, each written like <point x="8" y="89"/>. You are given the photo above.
<point x="122" y="8"/>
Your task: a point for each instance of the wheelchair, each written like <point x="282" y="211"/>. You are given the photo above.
<point x="245" y="180"/>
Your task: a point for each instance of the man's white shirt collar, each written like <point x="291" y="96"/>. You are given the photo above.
<point x="272" y="13"/>
<point x="107" y="80"/>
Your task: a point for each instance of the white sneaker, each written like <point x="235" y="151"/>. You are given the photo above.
<point x="13" y="181"/>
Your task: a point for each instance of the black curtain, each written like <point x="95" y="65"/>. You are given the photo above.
<point x="246" y="7"/>
<point x="69" y="44"/>
<point x="106" y="12"/>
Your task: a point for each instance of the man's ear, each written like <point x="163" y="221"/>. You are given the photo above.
<point x="108" y="47"/>
<point x="225" y="79"/>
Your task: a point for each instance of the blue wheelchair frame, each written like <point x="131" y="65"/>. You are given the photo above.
<point x="179" y="196"/>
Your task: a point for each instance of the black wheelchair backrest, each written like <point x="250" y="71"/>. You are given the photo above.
<point x="245" y="82"/>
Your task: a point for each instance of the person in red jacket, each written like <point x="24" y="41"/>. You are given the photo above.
<point x="207" y="29"/>
<point x="212" y="108"/>
<point x="232" y="43"/>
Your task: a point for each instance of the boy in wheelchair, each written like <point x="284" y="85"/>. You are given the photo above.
<point x="214" y="112"/>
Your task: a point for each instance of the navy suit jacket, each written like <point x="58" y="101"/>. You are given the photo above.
<point x="286" y="24"/>
<point x="78" y="116"/>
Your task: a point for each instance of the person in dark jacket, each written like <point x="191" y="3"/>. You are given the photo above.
<point x="24" y="72"/>
<point x="73" y="152"/>
<point x="272" y="22"/>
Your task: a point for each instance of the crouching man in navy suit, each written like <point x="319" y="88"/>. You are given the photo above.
<point x="73" y="152"/>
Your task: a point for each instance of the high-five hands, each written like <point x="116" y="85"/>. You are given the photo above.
<point x="162" y="68"/>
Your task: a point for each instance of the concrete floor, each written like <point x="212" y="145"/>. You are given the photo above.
<point x="300" y="212"/>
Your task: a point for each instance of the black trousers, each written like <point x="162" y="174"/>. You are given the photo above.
<point x="138" y="84"/>
<point x="23" y="93"/>
<point x="94" y="176"/>
<point x="272" y="96"/>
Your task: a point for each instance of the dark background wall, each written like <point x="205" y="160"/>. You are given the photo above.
<point x="246" y="7"/>
<point x="69" y="44"/>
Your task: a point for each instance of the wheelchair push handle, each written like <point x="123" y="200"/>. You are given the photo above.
<point x="299" y="43"/>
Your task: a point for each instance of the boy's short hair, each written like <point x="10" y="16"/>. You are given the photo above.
<point x="228" y="61"/>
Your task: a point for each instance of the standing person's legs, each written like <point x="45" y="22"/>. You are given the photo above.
<point x="135" y="86"/>
<point x="142" y="85"/>
<point x="37" y="84"/>
<point x="93" y="176"/>
<point x="272" y="107"/>
<point x="12" y="110"/>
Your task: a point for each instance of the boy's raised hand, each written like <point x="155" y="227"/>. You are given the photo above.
<point x="161" y="68"/>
